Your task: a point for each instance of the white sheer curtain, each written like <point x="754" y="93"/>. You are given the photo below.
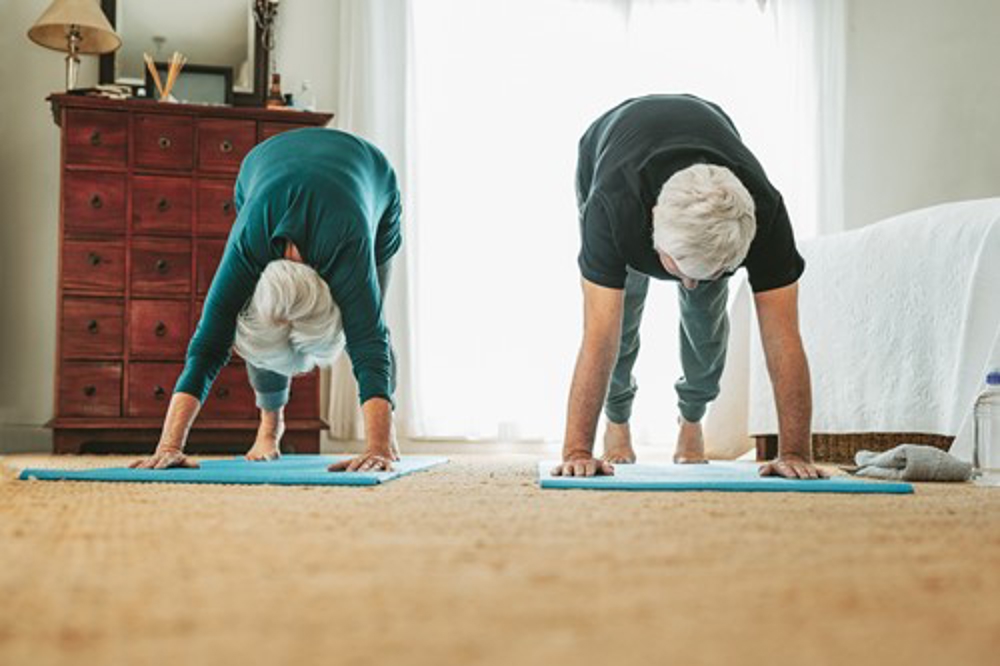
<point x="373" y="102"/>
<point x="484" y="102"/>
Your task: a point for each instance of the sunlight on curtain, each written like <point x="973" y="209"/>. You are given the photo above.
<point x="502" y="93"/>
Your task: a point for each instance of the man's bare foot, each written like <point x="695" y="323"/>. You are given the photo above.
<point x="618" y="444"/>
<point x="267" y="446"/>
<point x="690" y="444"/>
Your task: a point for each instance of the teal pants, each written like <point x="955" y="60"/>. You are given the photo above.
<point x="704" y="332"/>
<point x="272" y="388"/>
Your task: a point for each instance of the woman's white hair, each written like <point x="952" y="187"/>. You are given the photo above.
<point x="291" y="323"/>
<point x="704" y="219"/>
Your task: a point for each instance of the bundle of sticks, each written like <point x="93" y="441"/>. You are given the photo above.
<point x="174" y="66"/>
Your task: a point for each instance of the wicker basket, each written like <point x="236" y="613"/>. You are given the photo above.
<point x="841" y="448"/>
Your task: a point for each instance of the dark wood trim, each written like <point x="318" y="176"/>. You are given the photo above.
<point x="261" y="61"/>
<point x="60" y="100"/>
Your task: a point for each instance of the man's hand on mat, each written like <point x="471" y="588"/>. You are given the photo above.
<point x="369" y="461"/>
<point x="793" y="466"/>
<point x="583" y="464"/>
<point x="164" y="459"/>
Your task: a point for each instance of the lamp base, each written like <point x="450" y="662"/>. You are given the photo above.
<point x="73" y="38"/>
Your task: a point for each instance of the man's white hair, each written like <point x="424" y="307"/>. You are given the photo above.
<point x="291" y="323"/>
<point x="704" y="219"/>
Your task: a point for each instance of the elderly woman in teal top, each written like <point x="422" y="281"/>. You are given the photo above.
<point x="303" y="273"/>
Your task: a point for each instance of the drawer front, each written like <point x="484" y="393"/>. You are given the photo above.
<point x="161" y="267"/>
<point x="158" y="329"/>
<point x="90" y="389"/>
<point x="97" y="138"/>
<point x="161" y="205"/>
<point x="164" y="142"/>
<point x="94" y="266"/>
<point x="94" y="202"/>
<point x="216" y="207"/>
<point x="91" y="328"/>
<point x="222" y="144"/>
<point x="267" y="130"/>
<point x="231" y="396"/>
<point x="209" y="255"/>
<point x="150" y="386"/>
<point x="303" y="401"/>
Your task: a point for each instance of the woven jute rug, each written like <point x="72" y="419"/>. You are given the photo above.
<point x="471" y="563"/>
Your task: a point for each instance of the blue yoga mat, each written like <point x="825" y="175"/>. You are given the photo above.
<point x="717" y="476"/>
<point x="290" y="470"/>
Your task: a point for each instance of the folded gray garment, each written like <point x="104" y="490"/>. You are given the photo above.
<point x="912" y="462"/>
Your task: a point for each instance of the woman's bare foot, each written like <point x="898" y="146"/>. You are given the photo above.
<point x="618" y="444"/>
<point x="267" y="446"/>
<point x="690" y="444"/>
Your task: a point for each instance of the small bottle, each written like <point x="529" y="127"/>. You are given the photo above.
<point x="274" y="98"/>
<point x="986" y="451"/>
<point x="307" y="97"/>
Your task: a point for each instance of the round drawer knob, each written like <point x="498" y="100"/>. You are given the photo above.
<point x="95" y="138"/>
<point x="163" y="205"/>
<point x="96" y="202"/>
<point x="222" y="392"/>
<point x="94" y="259"/>
<point x="90" y="390"/>
<point x="92" y="327"/>
<point x="164" y="142"/>
<point x="226" y="146"/>
<point x="159" y="392"/>
<point x="161" y="329"/>
<point x="227" y="207"/>
<point x="162" y="266"/>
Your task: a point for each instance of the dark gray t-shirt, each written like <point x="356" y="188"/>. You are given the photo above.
<point x="627" y="155"/>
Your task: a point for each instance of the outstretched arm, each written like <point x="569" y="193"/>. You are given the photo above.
<point x="602" y="323"/>
<point x="176" y="426"/>
<point x="778" y="319"/>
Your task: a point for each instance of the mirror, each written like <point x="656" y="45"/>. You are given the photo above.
<point x="220" y="33"/>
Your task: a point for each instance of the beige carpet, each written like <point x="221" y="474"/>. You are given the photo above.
<point x="472" y="564"/>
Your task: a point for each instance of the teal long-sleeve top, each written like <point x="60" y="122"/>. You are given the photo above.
<point x="335" y="197"/>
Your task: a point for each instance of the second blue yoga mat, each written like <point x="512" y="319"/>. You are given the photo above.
<point x="718" y="476"/>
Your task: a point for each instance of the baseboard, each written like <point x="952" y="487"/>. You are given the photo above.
<point x="25" y="439"/>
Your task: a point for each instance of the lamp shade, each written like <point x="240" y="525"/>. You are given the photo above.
<point x="52" y="28"/>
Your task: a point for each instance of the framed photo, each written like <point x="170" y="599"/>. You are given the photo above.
<point x="196" y="84"/>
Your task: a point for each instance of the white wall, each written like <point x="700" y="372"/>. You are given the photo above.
<point x="29" y="194"/>
<point x="922" y="105"/>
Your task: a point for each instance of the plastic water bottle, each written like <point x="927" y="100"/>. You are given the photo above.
<point x="986" y="454"/>
<point x="307" y="97"/>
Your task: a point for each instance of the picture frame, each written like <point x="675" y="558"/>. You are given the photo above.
<point x="196" y="84"/>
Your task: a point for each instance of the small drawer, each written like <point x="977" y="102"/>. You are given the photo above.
<point x="303" y="400"/>
<point x="158" y="329"/>
<point x="161" y="267"/>
<point x="98" y="138"/>
<point x="91" y="328"/>
<point x="90" y="389"/>
<point x="209" y="255"/>
<point x="231" y="396"/>
<point x="150" y="386"/>
<point x="216" y="207"/>
<point x="93" y="266"/>
<point x="94" y="202"/>
<point x="267" y="130"/>
<point x="222" y="143"/>
<point x="164" y="142"/>
<point x="161" y="205"/>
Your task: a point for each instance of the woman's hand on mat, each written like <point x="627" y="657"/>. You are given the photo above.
<point x="164" y="459"/>
<point x="583" y="464"/>
<point x="372" y="460"/>
<point x="793" y="467"/>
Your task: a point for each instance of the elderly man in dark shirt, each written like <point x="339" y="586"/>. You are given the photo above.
<point x="666" y="189"/>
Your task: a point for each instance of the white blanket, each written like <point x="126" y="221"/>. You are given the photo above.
<point x="901" y="322"/>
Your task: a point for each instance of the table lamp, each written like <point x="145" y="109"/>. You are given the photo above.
<point x="74" y="26"/>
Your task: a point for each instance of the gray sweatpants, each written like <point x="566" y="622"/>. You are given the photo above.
<point x="271" y="388"/>
<point x="704" y="332"/>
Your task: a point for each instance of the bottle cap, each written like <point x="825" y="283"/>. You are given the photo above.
<point x="993" y="379"/>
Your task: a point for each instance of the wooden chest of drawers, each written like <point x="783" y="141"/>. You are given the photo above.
<point x="146" y="204"/>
